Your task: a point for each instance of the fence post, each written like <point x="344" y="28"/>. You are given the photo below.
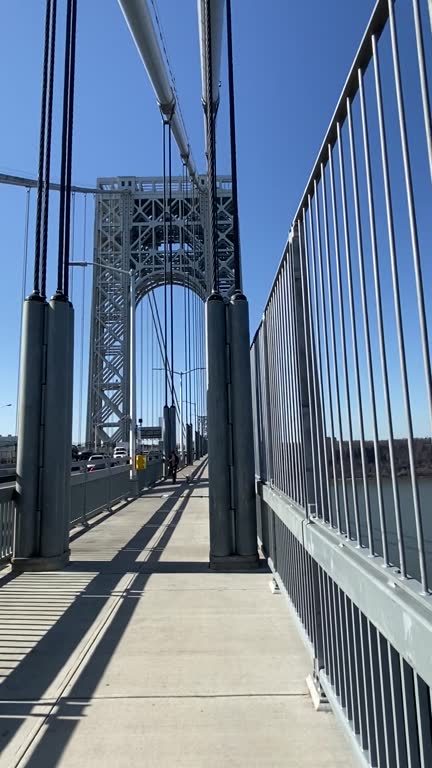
<point x="310" y="443"/>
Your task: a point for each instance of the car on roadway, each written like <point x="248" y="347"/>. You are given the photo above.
<point x="120" y="453"/>
<point x="98" y="461"/>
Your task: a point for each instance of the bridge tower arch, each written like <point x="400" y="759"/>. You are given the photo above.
<point x="129" y="233"/>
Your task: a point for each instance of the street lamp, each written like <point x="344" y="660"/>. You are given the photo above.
<point x="6" y="405"/>
<point x="132" y="347"/>
<point x="181" y="374"/>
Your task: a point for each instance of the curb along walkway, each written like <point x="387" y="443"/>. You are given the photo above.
<point x="138" y="655"/>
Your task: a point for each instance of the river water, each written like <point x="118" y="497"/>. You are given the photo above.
<point x="407" y="518"/>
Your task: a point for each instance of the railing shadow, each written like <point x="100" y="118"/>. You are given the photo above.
<point x="65" y="624"/>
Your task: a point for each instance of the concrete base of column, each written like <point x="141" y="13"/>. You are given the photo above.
<point x="33" y="564"/>
<point x="234" y="563"/>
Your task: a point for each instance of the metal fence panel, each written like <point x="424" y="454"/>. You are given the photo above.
<point x="343" y="396"/>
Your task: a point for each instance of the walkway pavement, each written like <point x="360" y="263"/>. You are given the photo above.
<point x="138" y="655"/>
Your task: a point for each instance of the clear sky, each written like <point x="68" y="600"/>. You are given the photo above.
<point x="291" y="60"/>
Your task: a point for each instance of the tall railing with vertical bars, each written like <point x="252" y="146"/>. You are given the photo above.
<point x="343" y="399"/>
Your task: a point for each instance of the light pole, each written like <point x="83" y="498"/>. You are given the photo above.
<point x="132" y="348"/>
<point x="181" y="374"/>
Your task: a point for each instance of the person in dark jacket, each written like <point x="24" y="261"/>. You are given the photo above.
<point x="173" y="465"/>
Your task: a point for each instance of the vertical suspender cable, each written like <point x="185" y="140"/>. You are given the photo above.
<point x="69" y="157"/>
<point x="211" y="149"/>
<point x="142" y="356"/>
<point x="149" y="364"/>
<point x="81" y="368"/>
<point x="72" y="243"/>
<point x="170" y="235"/>
<point x="165" y="262"/>
<point x="44" y="246"/>
<point x="42" y="146"/>
<point x="66" y="161"/>
<point x="23" y="292"/>
<point x="236" y="234"/>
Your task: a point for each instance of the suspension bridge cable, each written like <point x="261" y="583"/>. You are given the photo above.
<point x="159" y="332"/>
<point x="142" y="358"/>
<point x="72" y="244"/>
<point x="42" y="146"/>
<point x="66" y="150"/>
<point x="184" y="268"/>
<point x="149" y="364"/>
<point x="211" y="150"/>
<point x="23" y="292"/>
<point x="158" y="327"/>
<point x="165" y="255"/>
<point x="235" y="219"/>
<point x="170" y="236"/>
<point x="152" y="372"/>
<point x="83" y="291"/>
<point x="47" y="169"/>
<point x="69" y="142"/>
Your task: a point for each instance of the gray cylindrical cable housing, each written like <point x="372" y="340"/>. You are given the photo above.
<point x="27" y="518"/>
<point x="242" y="428"/>
<point x="54" y="535"/>
<point x="221" y="539"/>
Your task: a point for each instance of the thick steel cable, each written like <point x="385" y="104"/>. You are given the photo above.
<point x="165" y="258"/>
<point x="47" y="168"/>
<point x="70" y="144"/>
<point x="23" y="292"/>
<point x="211" y="149"/>
<point x="170" y="236"/>
<point x="149" y="364"/>
<point x="66" y="147"/>
<point x="72" y="243"/>
<point x="235" y="224"/>
<point x="81" y="368"/>
<point x="142" y="357"/>
<point x="40" y="186"/>
<point x="184" y="229"/>
<point x="158" y="327"/>
<point x="152" y="371"/>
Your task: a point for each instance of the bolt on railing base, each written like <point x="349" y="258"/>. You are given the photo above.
<point x="33" y="564"/>
<point x="234" y="562"/>
<point x="319" y="699"/>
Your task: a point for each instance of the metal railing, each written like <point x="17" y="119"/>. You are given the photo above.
<point x="7" y="511"/>
<point x="343" y="398"/>
<point x="91" y="493"/>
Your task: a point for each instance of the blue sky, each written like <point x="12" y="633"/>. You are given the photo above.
<point x="291" y="60"/>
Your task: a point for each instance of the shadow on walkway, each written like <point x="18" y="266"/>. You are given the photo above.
<point x="30" y="678"/>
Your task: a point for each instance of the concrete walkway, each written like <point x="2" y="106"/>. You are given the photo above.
<point x="138" y="655"/>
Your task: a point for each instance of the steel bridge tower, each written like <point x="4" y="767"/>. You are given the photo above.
<point x="130" y="234"/>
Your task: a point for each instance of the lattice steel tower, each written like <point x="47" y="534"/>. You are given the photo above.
<point x="129" y="234"/>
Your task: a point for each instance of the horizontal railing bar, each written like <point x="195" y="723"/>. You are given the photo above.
<point x="396" y="607"/>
